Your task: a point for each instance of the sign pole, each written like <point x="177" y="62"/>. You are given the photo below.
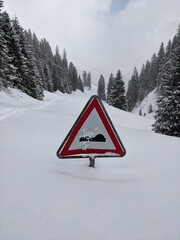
<point x="92" y="162"/>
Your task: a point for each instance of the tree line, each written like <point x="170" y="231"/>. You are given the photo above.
<point x="162" y="74"/>
<point x="115" y="94"/>
<point x="28" y="64"/>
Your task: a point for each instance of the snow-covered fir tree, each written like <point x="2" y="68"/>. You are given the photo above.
<point x="132" y="92"/>
<point x="47" y="78"/>
<point x="39" y="61"/>
<point x="160" y="62"/>
<point x="84" y="78"/>
<point x="167" y="118"/>
<point x="9" y="69"/>
<point x="101" y="88"/>
<point x="144" y="81"/>
<point x="27" y="76"/>
<point x="29" y="64"/>
<point x="153" y="74"/>
<point x="149" y="78"/>
<point x="80" y="85"/>
<point x="168" y="50"/>
<point x="34" y="86"/>
<point x="117" y="96"/>
<point x="150" y="109"/>
<point x="73" y="77"/>
<point x="3" y="51"/>
<point x="18" y="54"/>
<point x="109" y="86"/>
<point x="89" y="80"/>
<point x="65" y="74"/>
<point x="57" y="72"/>
<point x="46" y="58"/>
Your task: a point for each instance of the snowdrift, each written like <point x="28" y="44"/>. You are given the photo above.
<point x="43" y="197"/>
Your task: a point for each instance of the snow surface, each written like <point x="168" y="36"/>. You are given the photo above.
<point x="150" y="99"/>
<point x="136" y="197"/>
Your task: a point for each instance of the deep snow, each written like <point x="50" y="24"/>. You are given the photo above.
<point x="144" y="106"/>
<point x="136" y="197"/>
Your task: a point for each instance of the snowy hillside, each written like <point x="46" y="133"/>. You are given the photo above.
<point x="147" y="106"/>
<point x="46" y="198"/>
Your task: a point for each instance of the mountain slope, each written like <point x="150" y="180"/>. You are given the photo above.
<point x="147" y="106"/>
<point x="43" y="197"/>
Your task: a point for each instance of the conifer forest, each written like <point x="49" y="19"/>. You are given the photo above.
<point x="29" y="64"/>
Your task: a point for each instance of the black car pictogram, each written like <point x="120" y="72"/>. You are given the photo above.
<point x="97" y="138"/>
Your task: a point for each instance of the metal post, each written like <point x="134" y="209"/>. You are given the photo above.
<point x="92" y="162"/>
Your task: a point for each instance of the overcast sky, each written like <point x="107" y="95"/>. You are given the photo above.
<point x="101" y="36"/>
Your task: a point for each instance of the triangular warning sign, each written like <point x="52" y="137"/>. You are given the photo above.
<point x="93" y="134"/>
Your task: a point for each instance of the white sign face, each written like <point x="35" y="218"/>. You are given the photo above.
<point x="92" y="134"/>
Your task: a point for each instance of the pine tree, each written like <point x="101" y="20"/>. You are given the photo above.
<point x="168" y="50"/>
<point x="7" y="69"/>
<point x="174" y="42"/>
<point x="47" y="77"/>
<point x="153" y="74"/>
<point x="149" y="77"/>
<point x="38" y="57"/>
<point x="109" y="86"/>
<point x="3" y="51"/>
<point x="144" y="81"/>
<point x="65" y="74"/>
<point x="73" y="77"/>
<point x="80" y="84"/>
<point x="29" y="64"/>
<point x="84" y="78"/>
<point x="117" y="96"/>
<point x="47" y="60"/>
<point x="28" y="79"/>
<point x="19" y="59"/>
<point x="101" y="88"/>
<point x="132" y="92"/>
<point x="150" y="109"/>
<point x="57" y="72"/>
<point x="141" y="79"/>
<point x="89" y="80"/>
<point x="167" y="118"/>
<point x="160" y="62"/>
<point x="1" y="60"/>
<point x="35" y="88"/>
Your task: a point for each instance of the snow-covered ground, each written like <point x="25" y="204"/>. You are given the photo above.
<point x="136" y="197"/>
<point x="147" y="106"/>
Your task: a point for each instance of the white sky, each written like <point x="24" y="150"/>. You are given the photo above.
<point x="101" y="36"/>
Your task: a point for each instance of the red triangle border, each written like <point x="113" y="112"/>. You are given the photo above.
<point x="94" y="102"/>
